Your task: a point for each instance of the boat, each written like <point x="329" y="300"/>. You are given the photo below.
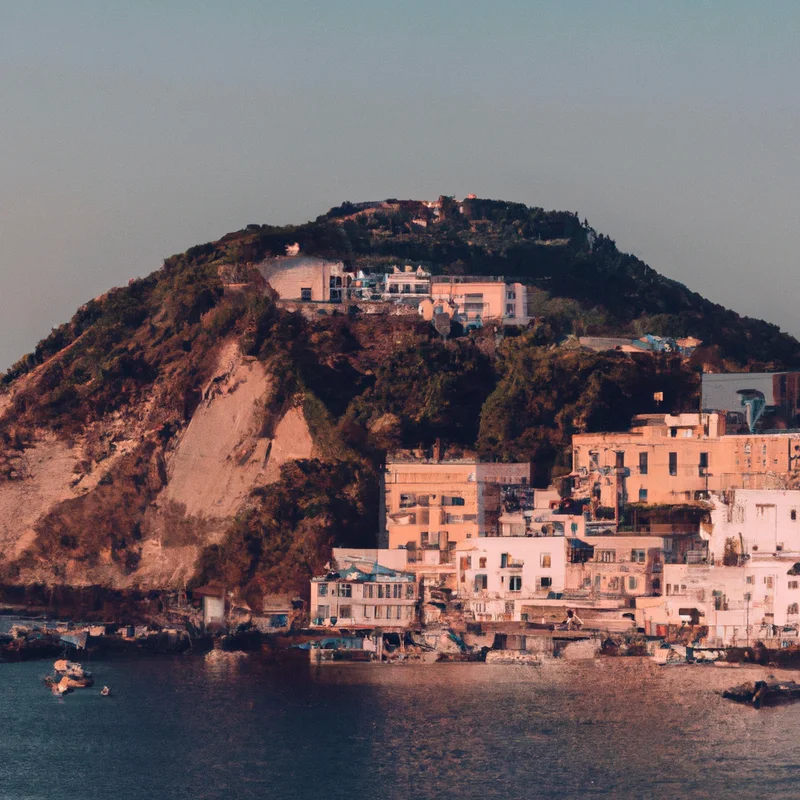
<point x="105" y="692"/>
<point x="763" y="693"/>
<point x="71" y="668"/>
<point x="68" y="676"/>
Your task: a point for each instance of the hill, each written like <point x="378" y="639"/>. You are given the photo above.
<point x="187" y="427"/>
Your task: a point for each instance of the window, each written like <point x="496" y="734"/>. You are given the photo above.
<point x="748" y="579"/>
<point x="481" y="582"/>
<point x="703" y="467"/>
<point x="305" y="294"/>
<point x="511" y="295"/>
<point x="378" y="612"/>
<point x="346" y="612"/>
<point x="620" y="460"/>
<point x="792" y="609"/>
<point x="643" y="463"/>
<point x="397" y="591"/>
<point x="510" y="310"/>
<point x="669" y="589"/>
<point x="544" y="583"/>
<point x="673" y="464"/>
<point x="367" y="612"/>
<point x="594" y="460"/>
<point x="606" y="556"/>
<point x="544" y="560"/>
<point x="613" y="584"/>
<point x="632" y="583"/>
<point x="322" y="590"/>
<point x="792" y="584"/>
<point x="642" y="495"/>
<point x="457" y="501"/>
<point x="380" y="591"/>
<point x="369" y="590"/>
<point x="482" y="562"/>
<point x="768" y="581"/>
<point x="344" y="590"/>
<point x="515" y="583"/>
<point x="409" y="591"/>
<point x="793" y="515"/>
<point x="673" y="432"/>
<point x="323" y="612"/>
<point x="509" y="606"/>
<point x="656" y="584"/>
<point x="638" y="556"/>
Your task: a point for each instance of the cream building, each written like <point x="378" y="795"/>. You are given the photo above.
<point x="435" y="504"/>
<point x="306" y="278"/>
<point x="473" y="301"/>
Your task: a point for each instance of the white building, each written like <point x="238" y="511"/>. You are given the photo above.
<point x="497" y="575"/>
<point x="407" y="284"/>
<point x="749" y="587"/>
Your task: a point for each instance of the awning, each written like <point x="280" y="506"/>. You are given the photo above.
<point x="579" y="544"/>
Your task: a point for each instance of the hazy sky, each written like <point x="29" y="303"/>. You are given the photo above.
<point x="131" y="131"/>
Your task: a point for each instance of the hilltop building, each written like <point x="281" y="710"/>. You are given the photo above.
<point x="306" y="278"/>
<point x="474" y="300"/>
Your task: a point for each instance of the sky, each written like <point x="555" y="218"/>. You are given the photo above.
<point x="130" y="131"/>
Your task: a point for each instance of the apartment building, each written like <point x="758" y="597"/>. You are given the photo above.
<point x="497" y="576"/>
<point x="364" y="596"/>
<point x="678" y="459"/>
<point x="437" y="503"/>
<point x="407" y="284"/>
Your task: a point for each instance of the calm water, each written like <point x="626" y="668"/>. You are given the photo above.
<point x="188" y="728"/>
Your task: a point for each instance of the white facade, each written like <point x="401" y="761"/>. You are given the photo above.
<point x="748" y="590"/>
<point x="497" y="575"/>
<point x="408" y="284"/>
<point x="756" y="522"/>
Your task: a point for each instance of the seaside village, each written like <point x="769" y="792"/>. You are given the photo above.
<point x="683" y="531"/>
<point x="679" y="537"/>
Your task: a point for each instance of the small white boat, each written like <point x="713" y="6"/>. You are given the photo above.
<point x="105" y="692"/>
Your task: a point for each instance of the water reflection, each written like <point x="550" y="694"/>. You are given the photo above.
<point x="241" y="728"/>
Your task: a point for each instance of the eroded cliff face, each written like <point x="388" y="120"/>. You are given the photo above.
<point x="126" y="505"/>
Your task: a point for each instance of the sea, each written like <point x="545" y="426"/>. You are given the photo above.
<point x="240" y="727"/>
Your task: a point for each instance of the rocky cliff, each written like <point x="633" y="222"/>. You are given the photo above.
<point x="186" y="428"/>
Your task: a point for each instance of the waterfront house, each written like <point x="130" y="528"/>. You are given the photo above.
<point x="370" y="596"/>
<point x="213" y="597"/>
<point x="748" y="586"/>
